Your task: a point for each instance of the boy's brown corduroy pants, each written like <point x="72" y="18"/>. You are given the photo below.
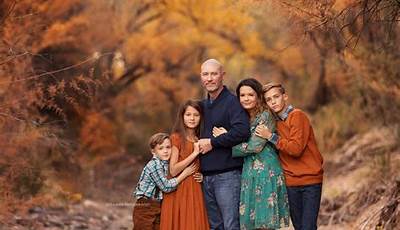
<point x="146" y="214"/>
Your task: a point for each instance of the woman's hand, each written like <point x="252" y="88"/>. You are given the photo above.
<point x="218" y="131"/>
<point x="198" y="177"/>
<point x="263" y="132"/>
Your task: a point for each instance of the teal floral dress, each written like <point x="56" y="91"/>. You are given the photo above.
<point x="263" y="197"/>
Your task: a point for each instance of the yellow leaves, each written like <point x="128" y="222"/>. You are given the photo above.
<point x="254" y="46"/>
<point x="144" y="46"/>
<point x="220" y="26"/>
<point x="196" y="13"/>
<point x="150" y="91"/>
<point x="239" y="68"/>
<point x="292" y="58"/>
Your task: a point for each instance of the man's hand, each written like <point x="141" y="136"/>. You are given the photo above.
<point x="205" y="145"/>
<point x="263" y="132"/>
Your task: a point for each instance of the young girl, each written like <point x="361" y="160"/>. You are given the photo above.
<point x="185" y="208"/>
<point x="263" y="197"/>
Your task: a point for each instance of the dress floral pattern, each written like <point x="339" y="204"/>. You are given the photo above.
<point x="263" y="198"/>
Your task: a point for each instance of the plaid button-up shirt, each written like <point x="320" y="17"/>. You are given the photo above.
<point x="154" y="175"/>
<point x="274" y="138"/>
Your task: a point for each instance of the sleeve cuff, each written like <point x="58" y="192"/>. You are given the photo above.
<point x="174" y="183"/>
<point x="214" y="143"/>
<point x="274" y="139"/>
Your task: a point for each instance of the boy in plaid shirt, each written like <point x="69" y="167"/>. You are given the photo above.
<point x="153" y="182"/>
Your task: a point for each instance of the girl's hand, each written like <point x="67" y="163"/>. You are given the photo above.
<point x="218" y="131"/>
<point x="263" y="132"/>
<point x="198" y="177"/>
<point x="196" y="148"/>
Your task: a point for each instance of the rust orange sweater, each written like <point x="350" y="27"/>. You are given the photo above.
<point x="298" y="151"/>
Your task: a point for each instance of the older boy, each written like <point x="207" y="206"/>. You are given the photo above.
<point x="153" y="181"/>
<point x="299" y="156"/>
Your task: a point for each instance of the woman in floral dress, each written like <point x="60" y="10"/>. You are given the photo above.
<point x="263" y="199"/>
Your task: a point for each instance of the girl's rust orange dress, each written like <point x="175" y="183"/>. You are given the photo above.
<point x="184" y="208"/>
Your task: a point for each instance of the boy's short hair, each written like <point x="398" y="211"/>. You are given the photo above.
<point x="157" y="139"/>
<point x="271" y="85"/>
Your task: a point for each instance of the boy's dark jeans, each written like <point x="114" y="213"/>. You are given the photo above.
<point x="304" y="202"/>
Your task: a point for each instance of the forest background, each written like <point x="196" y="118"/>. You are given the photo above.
<point x="83" y="84"/>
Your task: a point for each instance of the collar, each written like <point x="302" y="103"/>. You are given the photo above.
<point x="162" y="161"/>
<point x="221" y="95"/>
<point x="285" y="114"/>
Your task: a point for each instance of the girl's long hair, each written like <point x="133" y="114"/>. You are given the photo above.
<point x="258" y="88"/>
<point x="179" y="126"/>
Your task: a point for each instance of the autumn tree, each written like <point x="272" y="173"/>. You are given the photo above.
<point x="91" y="80"/>
<point x="358" y="34"/>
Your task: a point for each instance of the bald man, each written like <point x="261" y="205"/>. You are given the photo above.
<point x="222" y="173"/>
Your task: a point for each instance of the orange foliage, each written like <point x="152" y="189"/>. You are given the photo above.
<point x="97" y="137"/>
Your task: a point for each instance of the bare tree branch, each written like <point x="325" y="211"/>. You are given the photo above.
<point x="51" y="73"/>
<point x="13" y="57"/>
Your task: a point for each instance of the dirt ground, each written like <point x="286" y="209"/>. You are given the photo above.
<point x="361" y="191"/>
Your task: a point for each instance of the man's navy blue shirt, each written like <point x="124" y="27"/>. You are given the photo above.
<point x="225" y="111"/>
